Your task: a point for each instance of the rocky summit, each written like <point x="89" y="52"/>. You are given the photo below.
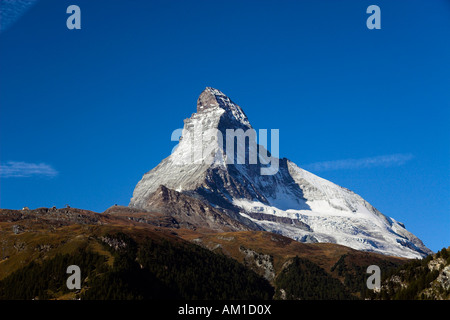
<point x="219" y="177"/>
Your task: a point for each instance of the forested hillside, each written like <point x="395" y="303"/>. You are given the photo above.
<point x="148" y="270"/>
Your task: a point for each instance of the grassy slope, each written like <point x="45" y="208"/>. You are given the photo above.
<point x="282" y="249"/>
<point x="44" y="234"/>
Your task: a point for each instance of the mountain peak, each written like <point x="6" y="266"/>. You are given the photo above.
<point x="289" y="201"/>
<point x="209" y="98"/>
<point x="212" y="99"/>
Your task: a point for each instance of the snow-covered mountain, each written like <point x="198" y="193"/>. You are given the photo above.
<point x="264" y="192"/>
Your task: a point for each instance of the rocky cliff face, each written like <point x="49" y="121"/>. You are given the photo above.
<point x="426" y="279"/>
<point x="216" y="181"/>
<point x="193" y="213"/>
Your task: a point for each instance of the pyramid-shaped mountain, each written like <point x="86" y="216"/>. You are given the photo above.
<point x="219" y="178"/>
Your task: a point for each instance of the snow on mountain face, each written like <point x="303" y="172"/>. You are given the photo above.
<point x="292" y="202"/>
<point x="340" y="216"/>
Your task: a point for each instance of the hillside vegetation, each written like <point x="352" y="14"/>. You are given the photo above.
<point x="125" y="254"/>
<point x="425" y="279"/>
<point x="150" y="269"/>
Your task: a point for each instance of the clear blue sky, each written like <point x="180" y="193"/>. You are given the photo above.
<point x="85" y="113"/>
